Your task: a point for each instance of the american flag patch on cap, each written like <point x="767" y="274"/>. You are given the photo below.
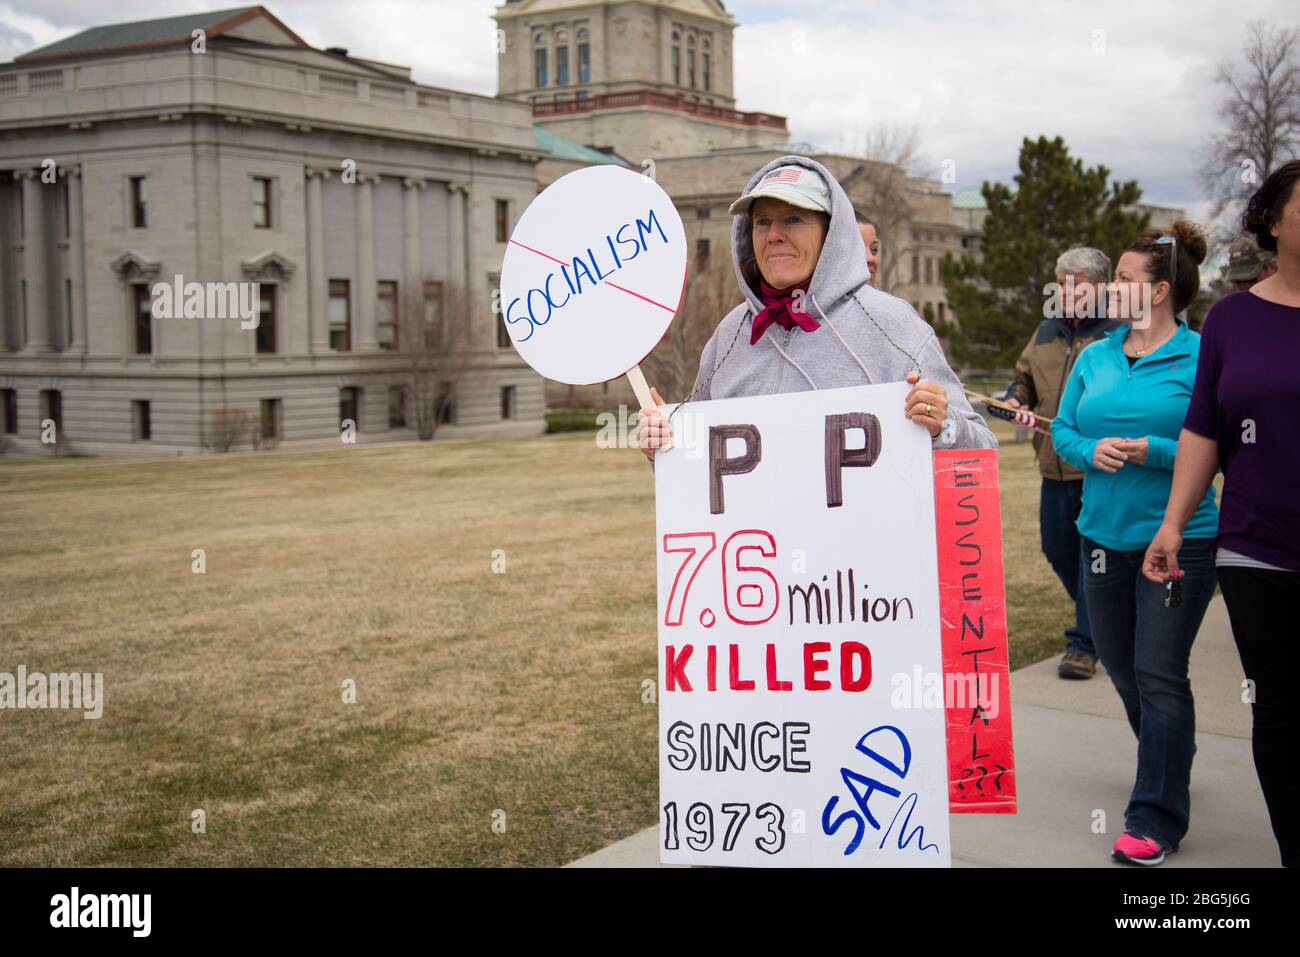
<point x="786" y="174"/>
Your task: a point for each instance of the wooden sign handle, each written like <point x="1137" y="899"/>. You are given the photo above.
<point x="637" y="378"/>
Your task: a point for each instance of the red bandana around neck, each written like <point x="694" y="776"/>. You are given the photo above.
<point x="778" y="308"/>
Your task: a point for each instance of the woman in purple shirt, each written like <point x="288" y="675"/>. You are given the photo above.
<point x="1242" y="417"/>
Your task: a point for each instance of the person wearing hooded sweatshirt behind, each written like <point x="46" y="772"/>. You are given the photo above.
<point x="811" y="318"/>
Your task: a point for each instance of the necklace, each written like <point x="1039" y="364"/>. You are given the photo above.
<point x="1139" y="353"/>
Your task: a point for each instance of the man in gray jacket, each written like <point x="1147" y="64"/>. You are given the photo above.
<point x="812" y="320"/>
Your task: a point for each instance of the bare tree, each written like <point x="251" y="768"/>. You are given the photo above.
<point x="435" y="339"/>
<point x="1261" y="110"/>
<point x="228" y="427"/>
<point x="891" y="157"/>
<point x="710" y="293"/>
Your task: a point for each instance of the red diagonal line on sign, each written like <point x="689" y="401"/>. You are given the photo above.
<point x="516" y="242"/>
<point x="639" y="296"/>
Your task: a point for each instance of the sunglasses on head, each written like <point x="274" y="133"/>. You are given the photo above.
<point x="1173" y="259"/>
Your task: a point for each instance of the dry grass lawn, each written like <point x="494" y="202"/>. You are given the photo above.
<point x="477" y="693"/>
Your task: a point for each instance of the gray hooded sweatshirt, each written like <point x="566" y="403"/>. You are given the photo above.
<point x="866" y="336"/>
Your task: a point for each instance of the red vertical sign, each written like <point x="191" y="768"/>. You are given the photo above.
<point x="973" y="613"/>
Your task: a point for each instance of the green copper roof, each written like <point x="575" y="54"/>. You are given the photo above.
<point x="130" y="34"/>
<point x="565" y="149"/>
<point x="968" y="197"/>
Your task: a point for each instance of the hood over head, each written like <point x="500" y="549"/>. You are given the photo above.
<point x="842" y="266"/>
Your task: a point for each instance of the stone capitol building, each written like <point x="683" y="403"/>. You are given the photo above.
<point x="372" y="212"/>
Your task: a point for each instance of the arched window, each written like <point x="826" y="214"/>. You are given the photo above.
<point x="539" y="39"/>
<point x="583" y="33"/>
<point x="561" y="36"/>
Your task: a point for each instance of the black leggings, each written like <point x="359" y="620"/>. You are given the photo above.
<point x="1262" y="605"/>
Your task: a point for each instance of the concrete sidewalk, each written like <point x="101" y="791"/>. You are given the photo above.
<point x="1076" y="754"/>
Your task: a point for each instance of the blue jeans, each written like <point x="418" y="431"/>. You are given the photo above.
<point x="1145" y="647"/>
<point x="1058" y="511"/>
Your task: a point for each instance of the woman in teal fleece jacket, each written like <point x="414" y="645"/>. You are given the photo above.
<point x="1119" y="420"/>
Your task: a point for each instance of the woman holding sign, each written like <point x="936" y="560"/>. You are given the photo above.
<point x="811" y="318"/>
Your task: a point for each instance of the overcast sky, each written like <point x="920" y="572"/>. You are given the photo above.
<point x="1128" y="83"/>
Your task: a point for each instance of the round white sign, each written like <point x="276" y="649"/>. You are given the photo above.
<point x="593" y="274"/>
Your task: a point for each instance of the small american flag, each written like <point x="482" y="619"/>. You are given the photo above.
<point x="787" y="175"/>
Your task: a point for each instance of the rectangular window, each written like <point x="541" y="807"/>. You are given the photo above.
<point x="52" y="409"/>
<point x="916" y="269"/>
<point x="266" y="318"/>
<point x="340" y="315"/>
<point x="432" y="314"/>
<point x="9" y="411"/>
<point x="446" y="404"/>
<point x="503" y="331"/>
<point x="142" y="319"/>
<point x="139" y="203"/>
<point x="270" y="418"/>
<point x="350" y="406"/>
<point x="67" y="312"/>
<point x="702" y="252"/>
<point x="141" y="427"/>
<point x="584" y="63"/>
<point x="261" y="202"/>
<point x="539" y="68"/>
<point x="503" y="220"/>
<point x="386" y="313"/>
<point x="704" y="64"/>
<point x="507" y="402"/>
<point x="690" y="67"/>
<point x="561" y="66"/>
<point x="941" y="319"/>
<point x="677" y="66"/>
<point x="397" y="406"/>
<point x="929" y="270"/>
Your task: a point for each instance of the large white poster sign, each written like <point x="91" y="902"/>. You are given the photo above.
<point x="798" y="594"/>
<point x="593" y="274"/>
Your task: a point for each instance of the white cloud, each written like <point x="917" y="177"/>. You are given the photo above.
<point x="974" y="77"/>
<point x="977" y="78"/>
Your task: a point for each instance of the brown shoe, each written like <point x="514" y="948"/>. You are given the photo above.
<point x="1076" y="665"/>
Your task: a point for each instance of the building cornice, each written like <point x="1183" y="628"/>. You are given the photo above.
<point x="484" y="148"/>
<point x="653" y="99"/>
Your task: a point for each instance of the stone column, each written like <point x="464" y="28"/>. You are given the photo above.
<point x="367" y="335"/>
<point x="318" y="322"/>
<point x="413" y="272"/>
<point x="458" y="240"/>
<point x="77" y="262"/>
<point x="36" y="309"/>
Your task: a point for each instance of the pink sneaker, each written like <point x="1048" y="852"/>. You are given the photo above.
<point x="1134" y="849"/>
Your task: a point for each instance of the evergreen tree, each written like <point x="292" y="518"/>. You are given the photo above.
<point x="998" y="298"/>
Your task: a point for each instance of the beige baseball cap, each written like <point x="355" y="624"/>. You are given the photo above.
<point x="796" y="185"/>
<point x="1245" y="259"/>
